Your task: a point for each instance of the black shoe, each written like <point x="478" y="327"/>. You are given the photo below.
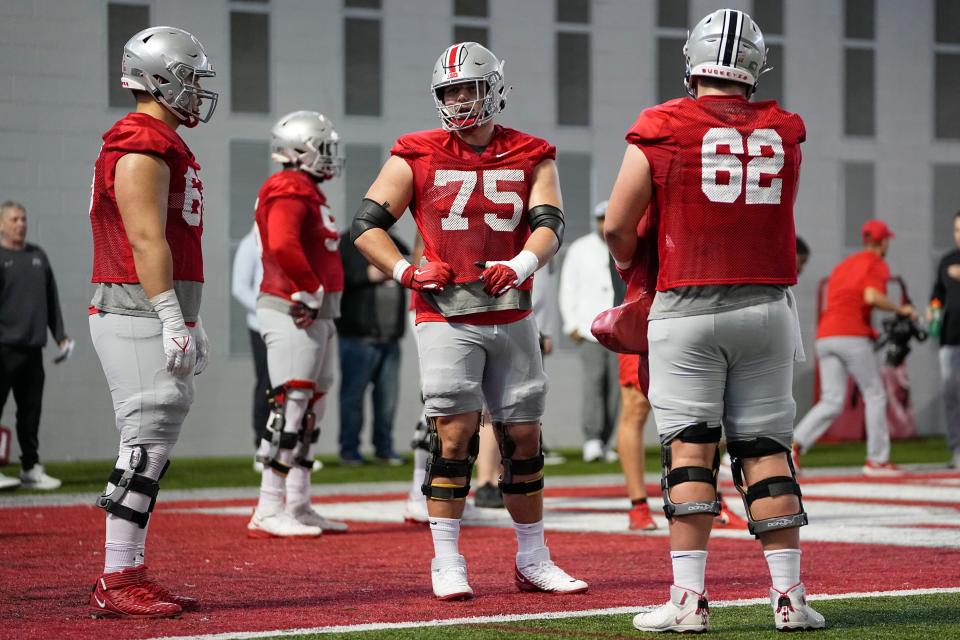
<point x="488" y="497"/>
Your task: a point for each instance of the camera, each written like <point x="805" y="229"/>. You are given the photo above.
<point x="895" y="339"/>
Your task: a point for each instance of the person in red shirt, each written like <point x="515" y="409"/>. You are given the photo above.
<point x="146" y="213"/>
<point x="486" y="200"/>
<point x="845" y="337"/>
<point x="298" y="302"/>
<point x="721" y="172"/>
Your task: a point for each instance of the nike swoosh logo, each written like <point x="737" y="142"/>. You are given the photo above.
<point x="679" y="619"/>
<point x="500" y="155"/>
<point x="417" y="272"/>
<point x="100" y="603"/>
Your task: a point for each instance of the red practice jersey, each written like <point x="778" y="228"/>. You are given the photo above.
<point x="299" y="240"/>
<point x="471" y="206"/>
<point x="725" y="174"/>
<point x="112" y="254"/>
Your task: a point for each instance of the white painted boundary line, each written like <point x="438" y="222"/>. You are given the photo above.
<point x="520" y="617"/>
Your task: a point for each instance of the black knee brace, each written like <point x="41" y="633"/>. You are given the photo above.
<point x="279" y="439"/>
<point x="701" y="434"/>
<point x="438" y="466"/>
<point x="421" y="437"/>
<point x="523" y="467"/>
<point x="766" y="488"/>
<point x="130" y="480"/>
<point x="308" y="435"/>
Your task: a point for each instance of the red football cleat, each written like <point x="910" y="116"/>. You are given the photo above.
<point x="124" y="595"/>
<point x="727" y="519"/>
<point x="640" y="518"/>
<point x="185" y="602"/>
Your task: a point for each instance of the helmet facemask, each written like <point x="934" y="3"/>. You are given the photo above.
<point x="192" y="98"/>
<point x="321" y="158"/>
<point x="457" y="116"/>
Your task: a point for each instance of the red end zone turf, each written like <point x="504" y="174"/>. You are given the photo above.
<point x="379" y="572"/>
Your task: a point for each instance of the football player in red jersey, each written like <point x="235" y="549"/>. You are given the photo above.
<point x="146" y="213"/>
<point x="722" y="174"/>
<point x="299" y="299"/>
<point x="486" y="200"/>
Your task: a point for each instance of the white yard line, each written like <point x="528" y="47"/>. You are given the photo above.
<point x="519" y="617"/>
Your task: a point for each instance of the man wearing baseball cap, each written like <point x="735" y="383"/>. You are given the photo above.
<point x="588" y="285"/>
<point x="845" y="347"/>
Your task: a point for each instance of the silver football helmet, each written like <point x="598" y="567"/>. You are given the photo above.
<point x="307" y="140"/>
<point x="462" y="63"/>
<point x="727" y="45"/>
<point x="168" y="63"/>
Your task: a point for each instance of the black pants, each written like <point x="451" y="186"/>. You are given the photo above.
<point x="261" y="410"/>
<point x="21" y="369"/>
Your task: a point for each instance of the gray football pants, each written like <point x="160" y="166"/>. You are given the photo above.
<point x="840" y="356"/>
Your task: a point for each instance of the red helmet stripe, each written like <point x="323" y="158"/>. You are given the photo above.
<point x="452" y="61"/>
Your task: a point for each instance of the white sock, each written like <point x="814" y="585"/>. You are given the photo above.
<point x="689" y="569"/>
<point x="446" y="536"/>
<point x="784" y="567"/>
<point x="298" y="488"/>
<point x="420" y="458"/>
<point x="125" y="541"/>
<point x="529" y="536"/>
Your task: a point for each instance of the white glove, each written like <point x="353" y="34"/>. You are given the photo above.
<point x="178" y="345"/>
<point x="312" y="300"/>
<point x="203" y="348"/>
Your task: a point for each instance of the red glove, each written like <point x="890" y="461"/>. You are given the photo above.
<point x="432" y="276"/>
<point x="498" y="279"/>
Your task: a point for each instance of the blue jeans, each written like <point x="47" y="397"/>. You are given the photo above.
<point x="363" y="363"/>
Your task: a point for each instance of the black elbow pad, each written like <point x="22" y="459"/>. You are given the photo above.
<point x="370" y="214"/>
<point x="546" y="215"/>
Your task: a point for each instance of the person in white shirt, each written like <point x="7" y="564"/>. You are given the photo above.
<point x="586" y="289"/>
<point x="247" y="274"/>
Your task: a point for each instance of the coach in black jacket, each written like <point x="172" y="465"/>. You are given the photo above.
<point x="372" y="321"/>
<point x="29" y="305"/>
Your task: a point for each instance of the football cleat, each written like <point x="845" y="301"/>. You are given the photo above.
<point x="535" y="571"/>
<point x="488" y="496"/>
<point x="184" y="602"/>
<point x="415" y="510"/>
<point x="280" y="525"/>
<point x="309" y="516"/>
<point x="791" y="611"/>
<point x="727" y="519"/>
<point x="640" y="518"/>
<point x="686" y="612"/>
<point x="881" y="470"/>
<point x="123" y="594"/>
<point x="449" y="577"/>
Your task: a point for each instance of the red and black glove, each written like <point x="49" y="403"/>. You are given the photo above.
<point x="432" y="276"/>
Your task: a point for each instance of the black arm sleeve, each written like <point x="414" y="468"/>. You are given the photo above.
<point x="370" y="214"/>
<point x="546" y="215"/>
<point x="54" y="315"/>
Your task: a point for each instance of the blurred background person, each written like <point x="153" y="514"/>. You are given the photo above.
<point x="247" y="276"/>
<point x="371" y="323"/>
<point x="634" y="409"/>
<point x="29" y="305"/>
<point x="586" y="289"/>
<point x="845" y="340"/>
<point x="945" y="303"/>
<point x="803" y="254"/>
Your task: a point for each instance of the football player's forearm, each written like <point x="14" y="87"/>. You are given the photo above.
<point x="377" y="247"/>
<point x="154" y="266"/>
<point x="543" y="243"/>
<point x="621" y="243"/>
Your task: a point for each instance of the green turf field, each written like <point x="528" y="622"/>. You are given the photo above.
<point x="197" y="473"/>
<point x="895" y="618"/>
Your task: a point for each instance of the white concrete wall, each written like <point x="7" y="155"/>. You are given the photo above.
<point x="53" y="108"/>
